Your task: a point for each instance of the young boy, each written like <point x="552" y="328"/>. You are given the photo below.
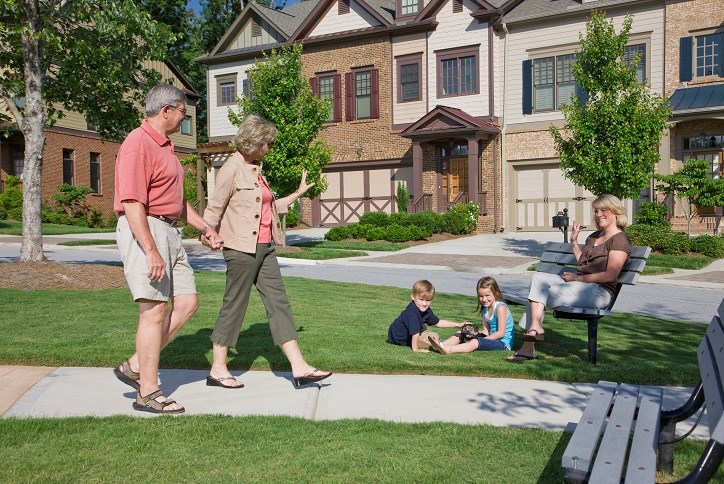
<point x="406" y="329"/>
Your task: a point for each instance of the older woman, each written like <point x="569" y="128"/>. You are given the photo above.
<point x="246" y="215"/>
<point x="592" y="284"/>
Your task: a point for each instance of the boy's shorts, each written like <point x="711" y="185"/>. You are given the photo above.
<point x="179" y="278"/>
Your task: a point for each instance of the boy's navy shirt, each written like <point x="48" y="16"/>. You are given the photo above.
<point x="410" y="321"/>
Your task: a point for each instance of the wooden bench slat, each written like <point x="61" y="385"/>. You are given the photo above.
<point x="711" y="363"/>
<point x="641" y="466"/>
<point x="559" y="258"/>
<point x="635" y="265"/>
<point x="611" y="454"/>
<point x="629" y="278"/>
<point x="550" y="268"/>
<point x="579" y="452"/>
<point x="581" y="311"/>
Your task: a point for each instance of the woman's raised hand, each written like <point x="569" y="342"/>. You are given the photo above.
<point x="303" y="185"/>
<point x="576" y="231"/>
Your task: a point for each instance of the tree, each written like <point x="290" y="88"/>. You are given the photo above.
<point x="282" y="95"/>
<point x="693" y="188"/>
<point x="72" y="55"/>
<point x="610" y="143"/>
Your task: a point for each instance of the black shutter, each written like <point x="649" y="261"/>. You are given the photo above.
<point x="581" y="94"/>
<point x="527" y="87"/>
<point x="720" y="40"/>
<point x="686" y="47"/>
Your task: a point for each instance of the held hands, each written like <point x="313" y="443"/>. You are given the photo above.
<point x="212" y="240"/>
<point x="575" y="232"/>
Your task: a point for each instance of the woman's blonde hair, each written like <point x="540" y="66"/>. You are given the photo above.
<point x="614" y="205"/>
<point x="488" y="283"/>
<point x="254" y="131"/>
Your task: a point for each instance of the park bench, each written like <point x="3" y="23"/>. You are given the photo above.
<point x="627" y="425"/>
<point x="557" y="257"/>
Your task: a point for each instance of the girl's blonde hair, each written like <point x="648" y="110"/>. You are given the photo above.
<point x="254" y="131"/>
<point x="488" y="283"/>
<point x="614" y="205"/>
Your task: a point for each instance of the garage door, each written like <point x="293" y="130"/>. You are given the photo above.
<point x="352" y="193"/>
<point x="541" y="192"/>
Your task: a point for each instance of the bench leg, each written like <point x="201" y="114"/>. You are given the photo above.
<point x="666" y="451"/>
<point x="592" y="340"/>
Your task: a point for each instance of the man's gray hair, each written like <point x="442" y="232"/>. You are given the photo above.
<point x="161" y="95"/>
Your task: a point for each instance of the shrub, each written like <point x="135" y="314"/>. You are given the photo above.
<point x="461" y="218"/>
<point x="403" y="197"/>
<point x="337" y="233"/>
<point x="190" y="232"/>
<point x="652" y="213"/>
<point x="429" y="222"/>
<point x="357" y="231"/>
<point x="11" y="200"/>
<point x="294" y="217"/>
<point x="112" y="220"/>
<point x="709" y="245"/>
<point x="398" y="233"/>
<point x="375" y="233"/>
<point x="376" y="219"/>
<point x="401" y="218"/>
<point x="660" y="239"/>
<point x="417" y="233"/>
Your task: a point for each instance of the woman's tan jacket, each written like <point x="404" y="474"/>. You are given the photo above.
<point x="234" y="209"/>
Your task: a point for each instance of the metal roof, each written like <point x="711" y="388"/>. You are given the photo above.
<point x="697" y="99"/>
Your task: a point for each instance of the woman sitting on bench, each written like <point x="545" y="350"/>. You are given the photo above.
<point x="590" y="285"/>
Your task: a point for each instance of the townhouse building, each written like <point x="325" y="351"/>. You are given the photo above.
<point x="75" y="153"/>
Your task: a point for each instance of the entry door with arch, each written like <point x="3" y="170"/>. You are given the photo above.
<point x="452" y="173"/>
<point x="714" y="158"/>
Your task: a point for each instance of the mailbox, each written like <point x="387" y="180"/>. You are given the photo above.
<point x="561" y="220"/>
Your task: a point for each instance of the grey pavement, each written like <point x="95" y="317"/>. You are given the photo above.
<point x="76" y="392"/>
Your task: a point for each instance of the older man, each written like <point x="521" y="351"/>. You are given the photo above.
<point x="149" y="202"/>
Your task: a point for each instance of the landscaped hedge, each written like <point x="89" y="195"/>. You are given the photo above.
<point x="663" y="239"/>
<point x="403" y="227"/>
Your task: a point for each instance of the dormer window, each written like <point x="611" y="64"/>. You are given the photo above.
<point x="408" y="8"/>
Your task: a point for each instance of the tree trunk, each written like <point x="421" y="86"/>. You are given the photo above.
<point x="32" y="124"/>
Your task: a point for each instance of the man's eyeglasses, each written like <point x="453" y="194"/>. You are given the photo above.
<point x="176" y="108"/>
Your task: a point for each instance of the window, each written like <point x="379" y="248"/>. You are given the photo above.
<point x="226" y="90"/>
<point x="328" y="86"/>
<point x="68" y="157"/>
<point x="709" y="148"/>
<point x="95" y="172"/>
<point x="408" y="78"/>
<point x="91" y="126"/>
<point x="708" y="55"/>
<point x="553" y="82"/>
<point x="701" y="56"/>
<point x="629" y="56"/>
<point x="186" y="125"/>
<point x="17" y="160"/>
<point x="343" y="7"/>
<point x="362" y="89"/>
<point x="458" y="72"/>
<point x="407" y="8"/>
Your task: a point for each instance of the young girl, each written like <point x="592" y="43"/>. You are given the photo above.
<point x="497" y="331"/>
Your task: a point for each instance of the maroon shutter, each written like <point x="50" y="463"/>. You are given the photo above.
<point x="349" y="114"/>
<point x="314" y="82"/>
<point x="375" y="95"/>
<point x="337" y="107"/>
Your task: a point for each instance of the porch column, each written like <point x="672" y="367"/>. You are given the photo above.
<point x="416" y="169"/>
<point x="473" y="169"/>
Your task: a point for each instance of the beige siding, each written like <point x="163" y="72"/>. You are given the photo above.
<point x="459" y="30"/>
<point x="218" y="117"/>
<point x="333" y="22"/>
<point x="245" y="38"/>
<point x="72" y="120"/>
<point x="410" y="111"/>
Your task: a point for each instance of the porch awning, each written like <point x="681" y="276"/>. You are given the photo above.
<point x="444" y="121"/>
<point x="698" y="102"/>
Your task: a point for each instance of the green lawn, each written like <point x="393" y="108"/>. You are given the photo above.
<point x="342" y="327"/>
<point x="282" y="449"/>
<point x="11" y="227"/>
<point x="314" y="253"/>
<point x="81" y="242"/>
<point x="355" y="245"/>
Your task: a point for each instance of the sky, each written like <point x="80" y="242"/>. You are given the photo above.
<point x="196" y="4"/>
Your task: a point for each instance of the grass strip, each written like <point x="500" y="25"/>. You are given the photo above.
<point x="78" y="242"/>
<point x="355" y="245"/>
<point x="283" y="449"/>
<point x="342" y="327"/>
<point x="695" y="262"/>
<point x="322" y="254"/>
<point x="11" y="227"/>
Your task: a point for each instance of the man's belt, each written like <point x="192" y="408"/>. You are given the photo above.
<point x="171" y="221"/>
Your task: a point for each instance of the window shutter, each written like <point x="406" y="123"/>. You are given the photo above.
<point x="457" y="6"/>
<point x="686" y="46"/>
<point x="527" y="87"/>
<point x="245" y="87"/>
<point x="343" y="7"/>
<point x="337" y="107"/>
<point x="581" y="94"/>
<point x="721" y="55"/>
<point x="349" y="88"/>
<point x="314" y="82"/>
<point x="375" y="94"/>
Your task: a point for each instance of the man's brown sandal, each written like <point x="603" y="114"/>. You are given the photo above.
<point x="128" y="376"/>
<point x="150" y="404"/>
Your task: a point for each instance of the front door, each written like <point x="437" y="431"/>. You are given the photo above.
<point x="714" y="158"/>
<point x="453" y="175"/>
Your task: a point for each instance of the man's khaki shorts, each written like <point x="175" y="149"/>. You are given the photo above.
<point x="179" y="278"/>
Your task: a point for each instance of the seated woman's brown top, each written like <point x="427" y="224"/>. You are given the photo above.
<point x="594" y="258"/>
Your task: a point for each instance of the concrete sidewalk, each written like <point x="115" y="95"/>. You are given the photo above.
<point x="76" y="392"/>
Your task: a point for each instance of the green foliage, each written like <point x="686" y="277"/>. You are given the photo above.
<point x="11" y="200"/>
<point x="378" y="219"/>
<point x="190" y="232"/>
<point x="294" y="216"/>
<point x="652" y="213"/>
<point x="403" y="197"/>
<point x="71" y="208"/>
<point x="610" y="144"/>
<point x="337" y="233"/>
<point x="375" y="233"/>
<point x="461" y="218"/>
<point x="709" y="245"/>
<point x="284" y="97"/>
<point x="428" y="221"/>
<point x="660" y="239"/>
<point x="691" y="185"/>
<point x="191" y="193"/>
<point x="399" y="233"/>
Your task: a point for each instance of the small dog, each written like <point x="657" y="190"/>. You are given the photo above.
<point x="469" y="331"/>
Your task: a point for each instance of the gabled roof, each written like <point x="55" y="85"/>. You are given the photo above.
<point x="443" y="120"/>
<point x="538" y="9"/>
<point x="697" y="100"/>
<point x="189" y="88"/>
<point x="322" y="6"/>
<point x="434" y="7"/>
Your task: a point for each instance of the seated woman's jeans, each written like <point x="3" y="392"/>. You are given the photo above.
<point x="553" y="291"/>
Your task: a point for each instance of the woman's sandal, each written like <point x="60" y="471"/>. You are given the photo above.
<point x="519" y="358"/>
<point x="150" y="404"/>
<point x="128" y="376"/>
<point x="438" y="346"/>
<point x="538" y="337"/>
<point x="219" y="382"/>
<point x="311" y="377"/>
